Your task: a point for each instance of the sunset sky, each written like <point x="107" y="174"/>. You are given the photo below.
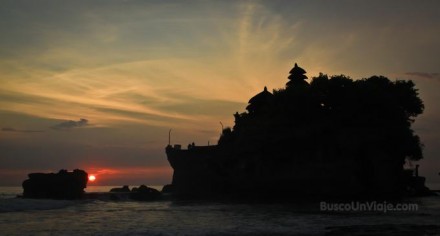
<point x="96" y="85"/>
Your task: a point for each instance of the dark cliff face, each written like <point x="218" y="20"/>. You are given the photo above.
<point x="334" y="136"/>
<point x="62" y="185"/>
<point x="199" y="169"/>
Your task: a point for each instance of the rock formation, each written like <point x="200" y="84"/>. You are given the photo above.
<point x="144" y="193"/>
<point x="62" y="185"/>
<point x="124" y="189"/>
<point x="141" y="193"/>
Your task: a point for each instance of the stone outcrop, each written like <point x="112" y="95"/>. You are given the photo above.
<point x="62" y="185"/>
<point x="124" y="189"/>
<point x="144" y="193"/>
<point x="141" y="193"/>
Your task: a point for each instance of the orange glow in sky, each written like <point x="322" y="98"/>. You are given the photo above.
<point x="104" y="84"/>
<point x="92" y="178"/>
<point x="130" y="176"/>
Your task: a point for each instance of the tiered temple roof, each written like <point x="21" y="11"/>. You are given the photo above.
<point x="297" y="76"/>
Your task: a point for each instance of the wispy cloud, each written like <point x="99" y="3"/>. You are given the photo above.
<point x="71" y="124"/>
<point x="159" y="76"/>
<point x="424" y="75"/>
<point x="9" y="129"/>
<point x="138" y="68"/>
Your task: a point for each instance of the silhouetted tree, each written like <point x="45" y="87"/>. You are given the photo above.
<point x="335" y="118"/>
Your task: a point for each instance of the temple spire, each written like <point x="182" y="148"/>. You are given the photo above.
<point x="297" y="76"/>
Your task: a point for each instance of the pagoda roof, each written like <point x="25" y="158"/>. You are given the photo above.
<point x="297" y="76"/>
<point x="260" y="97"/>
<point x="259" y="101"/>
<point x="296" y="70"/>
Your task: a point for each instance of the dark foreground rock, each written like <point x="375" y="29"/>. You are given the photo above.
<point x="169" y="188"/>
<point x="124" y="189"/>
<point x="144" y="193"/>
<point x="62" y="185"/>
<point x="141" y="193"/>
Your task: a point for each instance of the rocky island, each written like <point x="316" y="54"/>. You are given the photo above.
<point x="332" y="137"/>
<point x="70" y="186"/>
<point x="61" y="185"/>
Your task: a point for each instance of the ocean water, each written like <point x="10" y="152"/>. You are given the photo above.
<point x="96" y="217"/>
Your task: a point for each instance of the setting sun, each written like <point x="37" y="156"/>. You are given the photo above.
<point x="92" y="178"/>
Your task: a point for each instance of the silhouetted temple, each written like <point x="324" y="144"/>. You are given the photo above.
<point x="297" y="77"/>
<point x="260" y="101"/>
<point x="333" y="137"/>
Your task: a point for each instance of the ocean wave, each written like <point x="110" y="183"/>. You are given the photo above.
<point x="21" y="204"/>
